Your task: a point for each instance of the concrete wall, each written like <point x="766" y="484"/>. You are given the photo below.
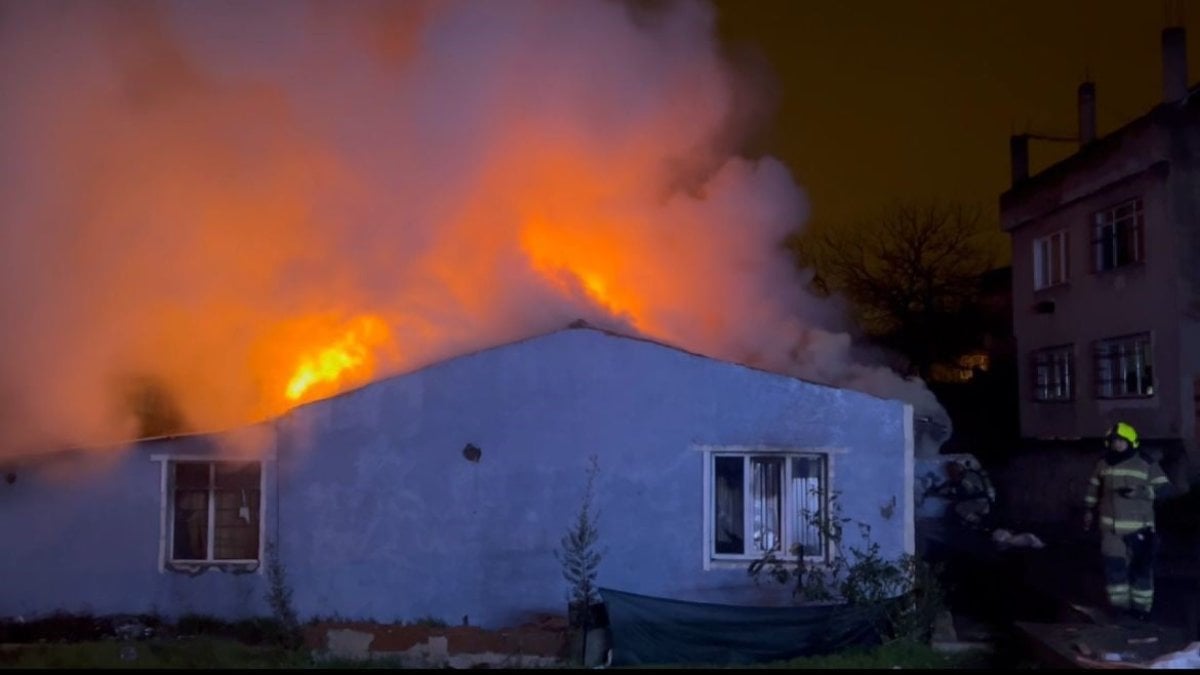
<point x="384" y="518"/>
<point x="1094" y="306"/>
<point x="380" y="516"/>
<point x="1143" y="161"/>
<point x="1185" y="210"/>
<point x="1190" y="383"/>
<point x="82" y="531"/>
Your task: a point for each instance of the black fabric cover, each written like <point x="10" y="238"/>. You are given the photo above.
<point x="647" y="630"/>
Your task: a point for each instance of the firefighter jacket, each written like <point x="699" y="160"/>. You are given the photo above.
<point x="1125" y="490"/>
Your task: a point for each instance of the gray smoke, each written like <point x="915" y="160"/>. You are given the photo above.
<point x="195" y="195"/>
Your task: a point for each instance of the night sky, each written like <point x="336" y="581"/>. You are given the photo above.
<point x="878" y="100"/>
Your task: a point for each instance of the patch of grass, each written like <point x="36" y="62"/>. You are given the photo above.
<point x="252" y="631"/>
<point x="193" y="653"/>
<point x="205" y="652"/>
<point x="64" y="627"/>
<point x="183" y="653"/>
<point x="201" y="652"/>
<point x="901" y="653"/>
<point x="200" y="624"/>
<point x="341" y="664"/>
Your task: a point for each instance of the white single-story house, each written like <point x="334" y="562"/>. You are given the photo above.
<point x="445" y="492"/>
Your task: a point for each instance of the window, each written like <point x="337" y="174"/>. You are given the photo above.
<point x="767" y="502"/>
<point x="1054" y="374"/>
<point x="1117" y="238"/>
<point x="1050" y="261"/>
<point x="1124" y="367"/>
<point x="215" y="511"/>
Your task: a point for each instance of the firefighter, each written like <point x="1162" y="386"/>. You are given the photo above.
<point x="1124" y="486"/>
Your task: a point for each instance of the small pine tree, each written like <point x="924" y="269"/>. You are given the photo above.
<point x="579" y="554"/>
<point x="279" y="598"/>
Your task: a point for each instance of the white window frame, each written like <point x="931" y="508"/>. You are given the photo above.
<point x="1044" y="260"/>
<point x="1106" y="229"/>
<point x="166" y="553"/>
<point x="711" y="557"/>
<point x="1059" y="364"/>
<point x="1117" y="352"/>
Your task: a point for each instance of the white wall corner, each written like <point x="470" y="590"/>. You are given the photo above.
<point x="705" y="496"/>
<point x="162" y="516"/>
<point x="908" y="488"/>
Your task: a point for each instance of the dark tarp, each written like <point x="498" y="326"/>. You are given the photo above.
<point x="647" y="630"/>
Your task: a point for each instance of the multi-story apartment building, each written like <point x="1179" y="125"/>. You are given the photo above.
<point x="1106" y="273"/>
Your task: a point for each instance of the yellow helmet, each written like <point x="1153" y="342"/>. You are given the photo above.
<point x="1123" y="430"/>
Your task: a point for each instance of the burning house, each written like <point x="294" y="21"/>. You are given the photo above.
<point x="444" y="492"/>
<point x="294" y="220"/>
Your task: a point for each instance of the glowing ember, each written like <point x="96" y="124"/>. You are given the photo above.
<point x="347" y="358"/>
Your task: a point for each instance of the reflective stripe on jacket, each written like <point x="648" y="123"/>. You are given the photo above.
<point x="1120" y="514"/>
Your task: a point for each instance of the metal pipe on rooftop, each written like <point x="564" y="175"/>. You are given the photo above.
<point x="1174" y="63"/>
<point x="1087" y="113"/>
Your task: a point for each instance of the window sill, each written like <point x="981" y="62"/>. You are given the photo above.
<point x="1053" y="401"/>
<point x="195" y="567"/>
<point x="1143" y="402"/>
<point x="1127" y="267"/>
<point x="1059" y="286"/>
<point x="741" y="563"/>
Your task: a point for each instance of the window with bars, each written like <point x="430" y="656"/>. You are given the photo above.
<point x="768" y="502"/>
<point x="1124" y="367"/>
<point x="215" y="511"/>
<point x="1050" y="260"/>
<point x="1054" y="373"/>
<point x="1117" y="236"/>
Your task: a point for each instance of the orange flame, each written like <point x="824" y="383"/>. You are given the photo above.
<point x="592" y="267"/>
<point x="349" y="358"/>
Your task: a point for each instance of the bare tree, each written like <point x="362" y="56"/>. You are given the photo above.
<point x="913" y="273"/>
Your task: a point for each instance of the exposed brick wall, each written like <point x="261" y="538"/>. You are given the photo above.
<point x="540" y="642"/>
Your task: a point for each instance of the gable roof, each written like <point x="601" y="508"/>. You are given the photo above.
<point x="582" y="325"/>
<point x="577" y="325"/>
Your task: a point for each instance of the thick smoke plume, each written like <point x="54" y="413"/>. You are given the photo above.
<point x="196" y="195"/>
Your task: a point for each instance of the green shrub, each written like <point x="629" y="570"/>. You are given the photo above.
<point x="905" y="593"/>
